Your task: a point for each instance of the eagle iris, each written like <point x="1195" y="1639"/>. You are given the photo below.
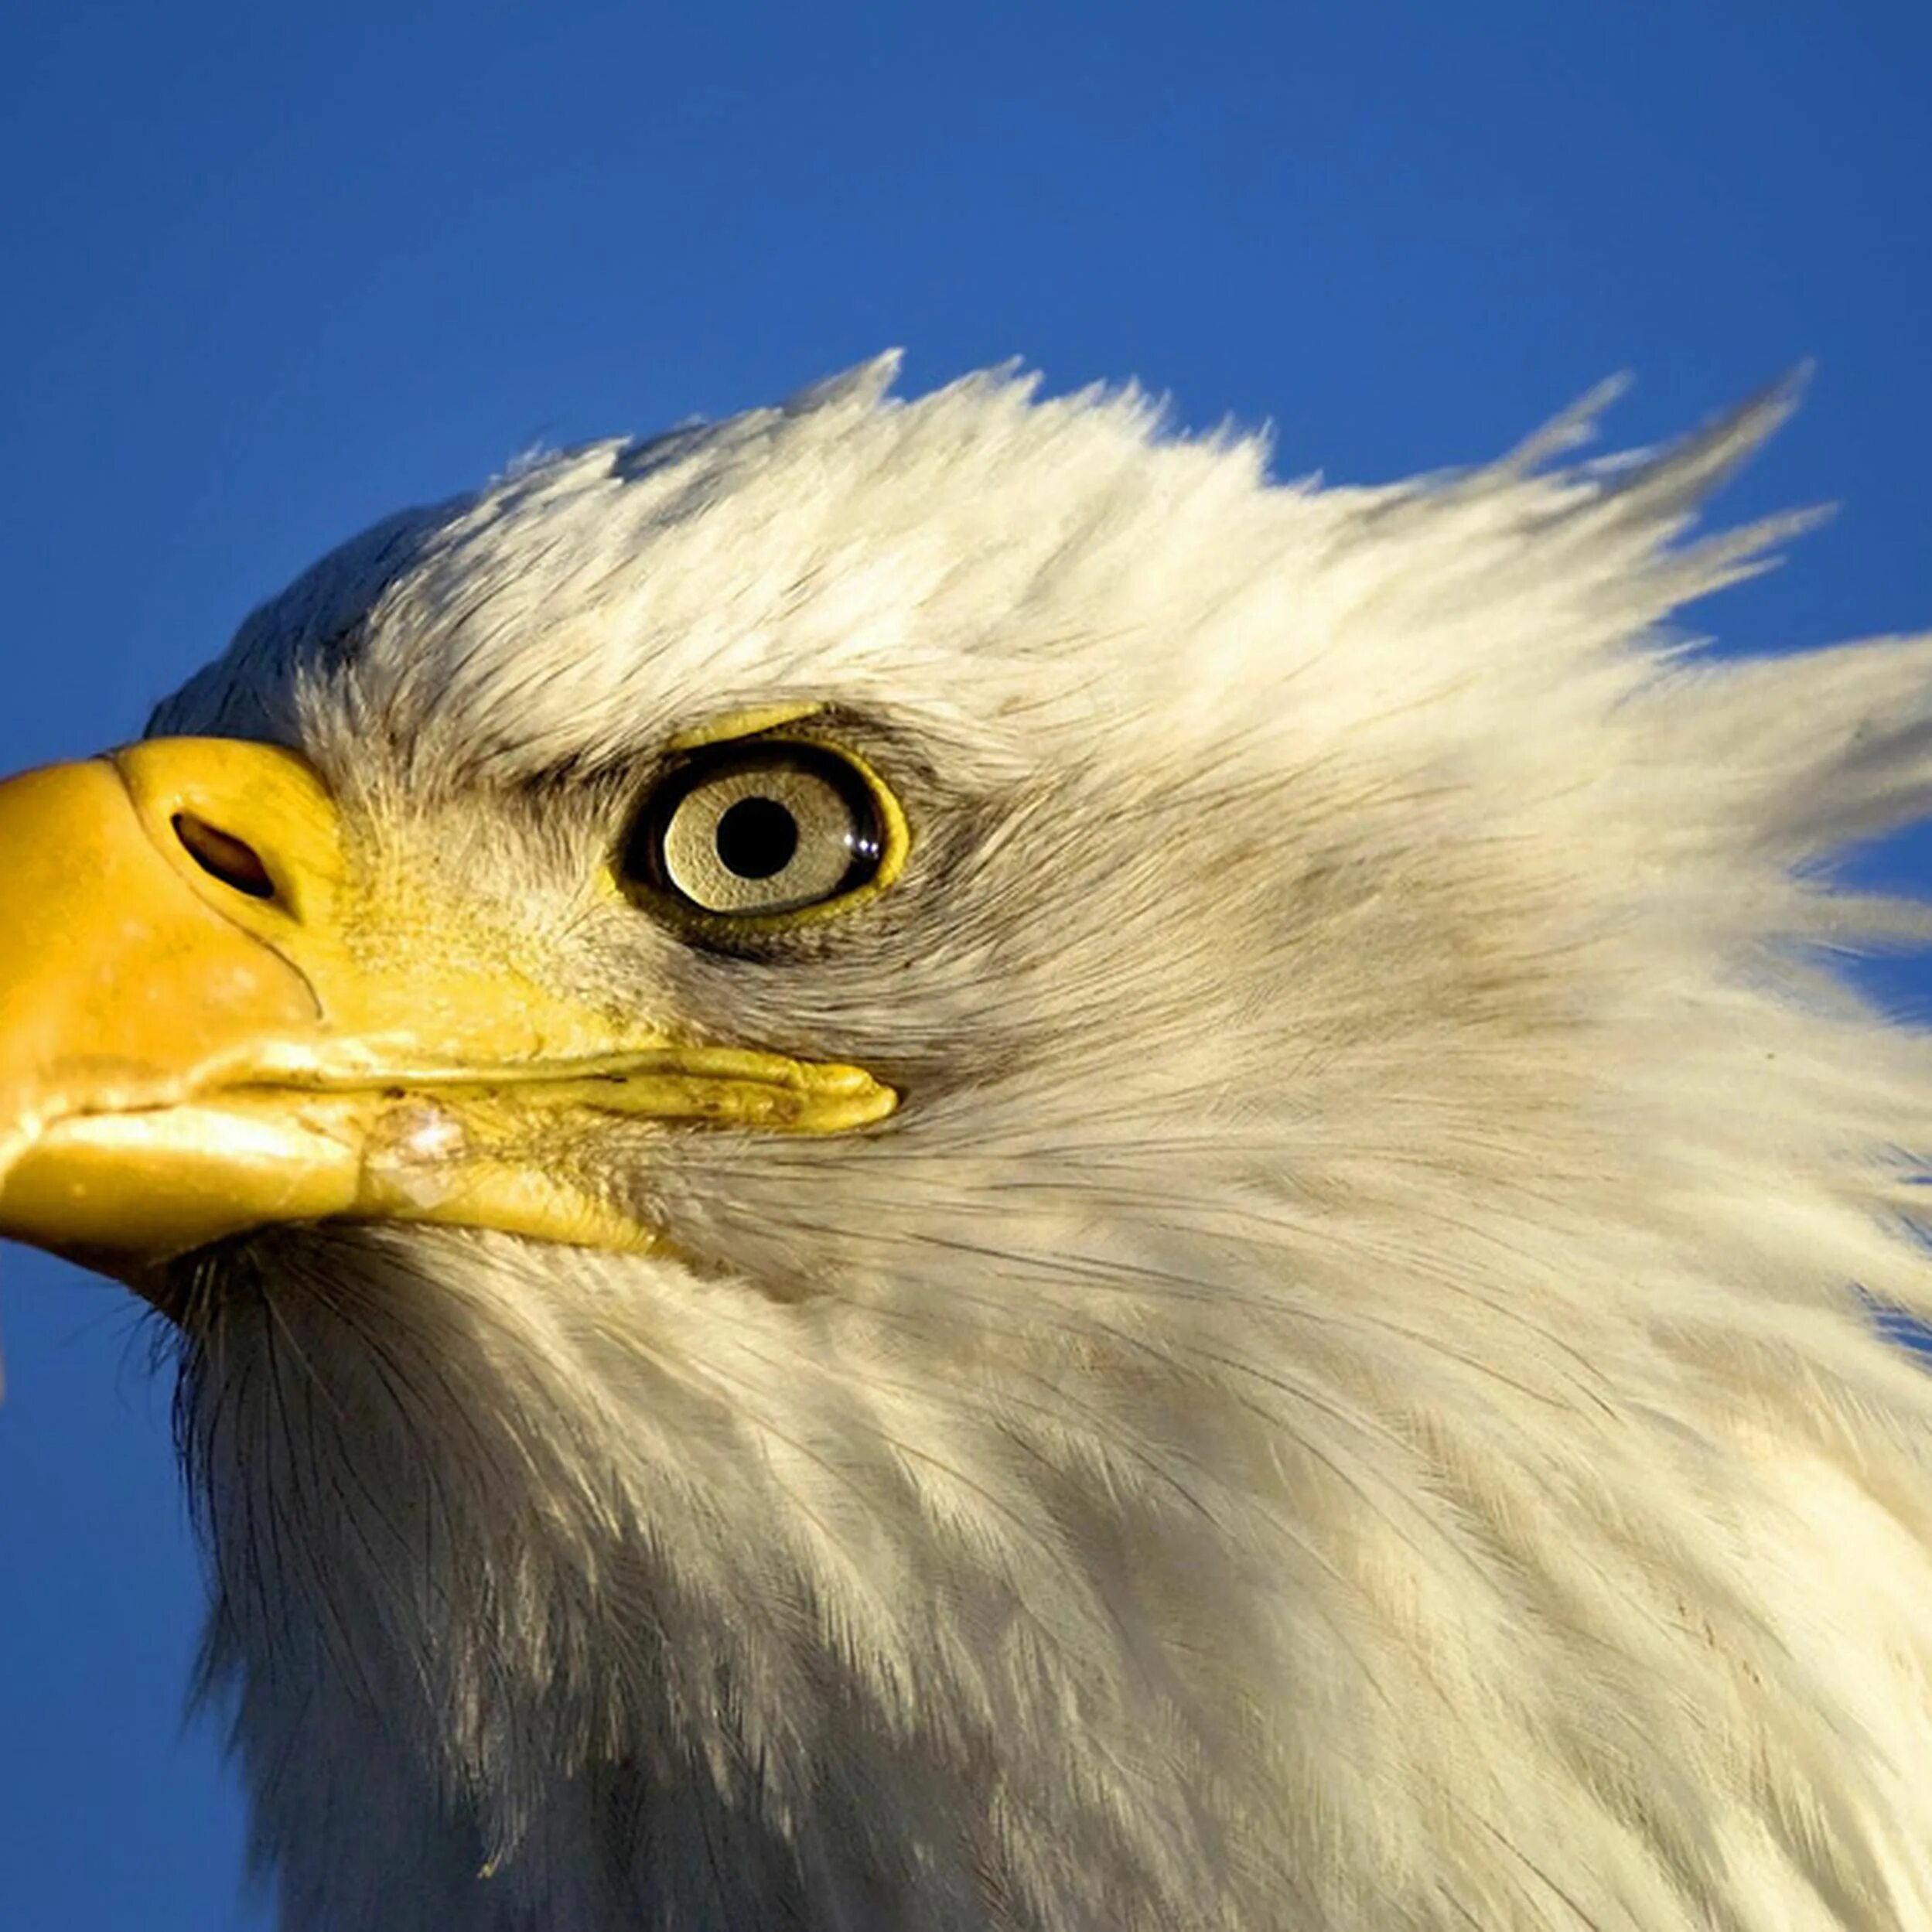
<point x="756" y="830"/>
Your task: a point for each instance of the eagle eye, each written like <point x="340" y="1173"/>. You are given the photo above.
<point x="758" y="829"/>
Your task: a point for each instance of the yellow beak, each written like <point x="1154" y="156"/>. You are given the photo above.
<point x="210" y="1021"/>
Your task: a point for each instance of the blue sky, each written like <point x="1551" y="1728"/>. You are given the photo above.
<point x="272" y="272"/>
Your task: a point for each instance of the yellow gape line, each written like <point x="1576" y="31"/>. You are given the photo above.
<point x="194" y="1042"/>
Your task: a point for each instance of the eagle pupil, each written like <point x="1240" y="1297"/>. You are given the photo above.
<point x="756" y="839"/>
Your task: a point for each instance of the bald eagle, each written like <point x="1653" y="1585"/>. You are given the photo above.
<point x="927" y="1166"/>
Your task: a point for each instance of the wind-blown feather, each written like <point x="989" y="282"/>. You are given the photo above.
<point x="1341" y="1400"/>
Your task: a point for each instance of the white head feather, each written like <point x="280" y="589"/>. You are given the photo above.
<point x="1341" y="1400"/>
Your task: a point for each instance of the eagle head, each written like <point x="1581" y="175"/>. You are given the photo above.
<point x="928" y="1165"/>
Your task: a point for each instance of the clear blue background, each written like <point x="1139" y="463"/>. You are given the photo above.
<point x="269" y="272"/>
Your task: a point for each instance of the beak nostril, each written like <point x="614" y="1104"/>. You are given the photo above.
<point x="222" y="855"/>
